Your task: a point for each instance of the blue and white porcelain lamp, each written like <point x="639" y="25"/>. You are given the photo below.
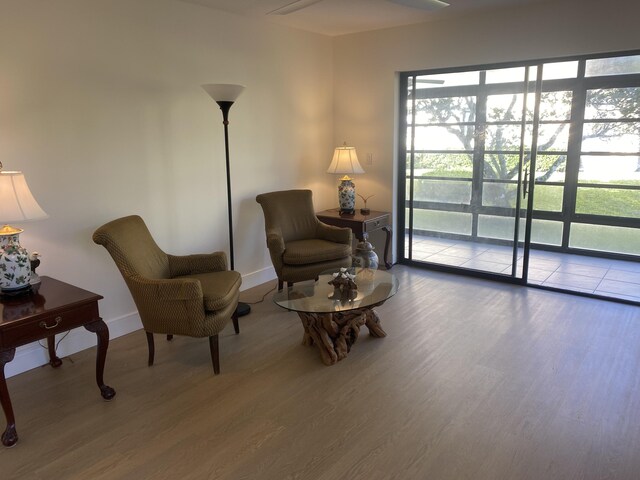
<point x="16" y="205"/>
<point x="345" y="161"/>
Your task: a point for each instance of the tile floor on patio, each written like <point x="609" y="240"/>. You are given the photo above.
<point x="601" y="276"/>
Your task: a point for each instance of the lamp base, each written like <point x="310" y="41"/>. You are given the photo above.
<point x="347" y="211"/>
<point x="243" y="309"/>
<point x="16" y="292"/>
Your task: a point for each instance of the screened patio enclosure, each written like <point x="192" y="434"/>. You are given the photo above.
<point x="524" y="163"/>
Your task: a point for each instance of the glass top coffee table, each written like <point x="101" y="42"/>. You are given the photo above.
<point x="332" y="319"/>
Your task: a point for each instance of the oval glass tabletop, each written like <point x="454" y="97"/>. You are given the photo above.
<point x="373" y="287"/>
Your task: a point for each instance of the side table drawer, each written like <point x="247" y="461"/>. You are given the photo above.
<point x="42" y="327"/>
<point x="376" y="224"/>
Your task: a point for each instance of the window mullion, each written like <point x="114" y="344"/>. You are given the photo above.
<point x="573" y="153"/>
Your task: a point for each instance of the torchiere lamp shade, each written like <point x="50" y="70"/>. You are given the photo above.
<point x="223" y="92"/>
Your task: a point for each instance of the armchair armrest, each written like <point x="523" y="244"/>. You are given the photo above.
<point x="200" y="263"/>
<point x="334" y="234"/>
<point x="275" y="242"/>
<point x="172" y="306"/>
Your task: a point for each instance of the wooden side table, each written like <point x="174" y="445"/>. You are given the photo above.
<point x="55" y="307"/>
<point x="361" y="225"/>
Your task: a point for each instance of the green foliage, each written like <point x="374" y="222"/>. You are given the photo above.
<point x="502" y="141"/>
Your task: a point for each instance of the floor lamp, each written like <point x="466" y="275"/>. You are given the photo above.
<point x="225" y="95"/>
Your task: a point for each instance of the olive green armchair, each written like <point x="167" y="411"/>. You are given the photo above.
<point x="193" y="295"/>
<point x="300" y="245"/>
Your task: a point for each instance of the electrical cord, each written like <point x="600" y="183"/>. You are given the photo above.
<point x="57" y="343"/>
<point x="263" y="297"/>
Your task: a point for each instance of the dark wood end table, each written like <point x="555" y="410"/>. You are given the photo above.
<point x="55" y="307"/>
<point x="361" y="225"/>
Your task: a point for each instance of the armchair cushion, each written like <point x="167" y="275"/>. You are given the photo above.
<point x="302" y="252"/>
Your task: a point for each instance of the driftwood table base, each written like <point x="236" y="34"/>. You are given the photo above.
<point x="334" y="333"/>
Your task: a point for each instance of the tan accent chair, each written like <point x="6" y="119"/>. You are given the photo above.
<point x="301" y="246"/>
<point x="193" y="295"/>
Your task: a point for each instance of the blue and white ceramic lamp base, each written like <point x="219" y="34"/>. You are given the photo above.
<point x="15" y="268"/>
<point x="347" y="196"/>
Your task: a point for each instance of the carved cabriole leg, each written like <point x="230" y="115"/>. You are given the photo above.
<point x="102" y="332"/>
<point x="236" y="324"/>
<point x="10" y="435"/>
<point x="215" y="353"/>
<point x="54" y="361"/>
<point x="152" y="349"/>
<point x="387" y="243"/>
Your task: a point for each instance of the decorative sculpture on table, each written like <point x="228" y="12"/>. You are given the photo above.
<point x="365" y="210"/>
<point x="34" y="260"/>
<point x="344" y="285"/>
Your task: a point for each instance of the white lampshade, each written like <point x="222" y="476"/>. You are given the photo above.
<point x="223" y="92"/>
<point x="16" y="201"/>
<point x="345" y="160"/>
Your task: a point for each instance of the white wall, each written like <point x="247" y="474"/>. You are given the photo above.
<point x="101" y="107"/>
<point x="366" y="65"/>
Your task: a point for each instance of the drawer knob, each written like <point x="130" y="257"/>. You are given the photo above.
<point x="43" y="324"/>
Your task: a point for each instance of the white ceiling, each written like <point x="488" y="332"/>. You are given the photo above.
<point x="339" y="17"/>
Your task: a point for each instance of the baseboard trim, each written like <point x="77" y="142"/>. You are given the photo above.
<point x="258" y="277"/>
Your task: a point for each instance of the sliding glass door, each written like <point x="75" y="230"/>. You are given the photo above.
<point x="468" y="157"/>
<point x="501" y="158"/>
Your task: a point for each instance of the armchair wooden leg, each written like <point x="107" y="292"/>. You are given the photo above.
<point x="169" y="337"/>
<point x="215" y="357"/>
<point x="289" y="284"/>
<point x="280" y="285"/>
<point x="236" y="324"/>
<point x="151" y="347"/>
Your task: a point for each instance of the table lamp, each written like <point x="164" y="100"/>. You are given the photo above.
<point x="345" y="161"/>
<point x="16" y="205"/>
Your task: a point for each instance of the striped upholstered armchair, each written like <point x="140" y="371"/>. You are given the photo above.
<point x="300" y="245"/>
<point x="193" y="295"/>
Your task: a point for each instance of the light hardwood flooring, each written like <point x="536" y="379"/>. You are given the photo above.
<point x="475" y="380"/>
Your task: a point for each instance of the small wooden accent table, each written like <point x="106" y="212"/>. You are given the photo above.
<point x="361" y="225"/>
<point x="55" y="307"/>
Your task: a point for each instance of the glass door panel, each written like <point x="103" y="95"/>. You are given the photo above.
<point x="466" y="156"/>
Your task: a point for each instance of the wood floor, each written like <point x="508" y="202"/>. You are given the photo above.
<point x="475" y="380"/>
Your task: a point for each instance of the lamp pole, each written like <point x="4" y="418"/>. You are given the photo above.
<point x="225" y="95"/>
<point x="225" y="106"/>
